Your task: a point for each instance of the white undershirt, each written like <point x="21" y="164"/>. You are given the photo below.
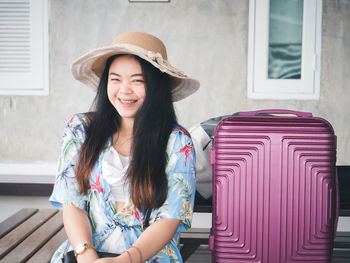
<point x="114" y="167"/>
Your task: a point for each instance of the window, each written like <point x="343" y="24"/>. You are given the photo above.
<point x="24" y="47"/>
<point x="284" y="49"/>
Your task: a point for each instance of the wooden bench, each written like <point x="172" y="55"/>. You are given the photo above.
<point x="33" y="235"/>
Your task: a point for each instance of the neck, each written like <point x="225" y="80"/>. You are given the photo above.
<point x="125" y="131"/>
<point x="126" y="127"/>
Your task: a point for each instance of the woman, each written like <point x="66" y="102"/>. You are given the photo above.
<point x="126" y="178"/>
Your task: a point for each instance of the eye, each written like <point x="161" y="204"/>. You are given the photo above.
<point x="114" y="79"/>
<point x="138" y="80"/>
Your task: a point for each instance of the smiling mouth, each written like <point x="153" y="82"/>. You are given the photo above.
<point x="127" y="101"/>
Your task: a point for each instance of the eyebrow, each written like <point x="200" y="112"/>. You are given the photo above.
<point x="133" y="75"/>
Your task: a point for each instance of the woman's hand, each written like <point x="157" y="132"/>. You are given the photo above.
<point x="123" y="258"/>
<point x="112" y="260"/>
<point x="78" y="230"/>
<point x="153" y="239"/>
<point x="88" y="257"/>
<point x="106" y="260"/>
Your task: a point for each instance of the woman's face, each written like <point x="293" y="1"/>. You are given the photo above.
<point x="126" y="87"/>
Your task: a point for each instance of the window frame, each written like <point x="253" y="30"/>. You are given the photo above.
<point x="258" y="84"/>
<point x="36" y="81"/>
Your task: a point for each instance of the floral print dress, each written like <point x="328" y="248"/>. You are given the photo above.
<point x="99" y="203"/>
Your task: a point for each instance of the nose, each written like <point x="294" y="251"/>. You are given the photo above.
<point x="125" y="88"/>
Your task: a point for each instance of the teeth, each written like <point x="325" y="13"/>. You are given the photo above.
<point x="127" y="101"/>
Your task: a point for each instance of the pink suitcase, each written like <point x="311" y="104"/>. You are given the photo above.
<point x="275" y="193"/>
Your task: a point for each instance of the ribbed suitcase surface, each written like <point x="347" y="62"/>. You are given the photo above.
<point x="274" y="189"/>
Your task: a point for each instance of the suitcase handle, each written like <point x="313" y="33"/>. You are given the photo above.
<point x="276" y="111"/>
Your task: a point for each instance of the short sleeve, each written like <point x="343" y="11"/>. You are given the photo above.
<point x="66" y="189"/>
<point x="181" y="179"/>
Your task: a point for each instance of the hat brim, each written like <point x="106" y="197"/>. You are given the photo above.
<point x="88" y="68"/>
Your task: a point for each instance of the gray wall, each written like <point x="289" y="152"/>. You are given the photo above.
<point x="205" y="38"/>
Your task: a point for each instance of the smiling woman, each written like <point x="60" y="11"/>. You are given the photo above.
<point x="126" y="87"/>
<point x="127" y="169"/>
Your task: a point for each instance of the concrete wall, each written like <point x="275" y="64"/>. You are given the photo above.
<point x="205" y="38"/>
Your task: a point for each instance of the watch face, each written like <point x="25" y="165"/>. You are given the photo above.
<point x="80" y="248"/>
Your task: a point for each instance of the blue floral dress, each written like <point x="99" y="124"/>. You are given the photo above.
<point x="99" y="203"/>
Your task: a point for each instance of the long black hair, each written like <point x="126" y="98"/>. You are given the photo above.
<point x="153" y="124"/>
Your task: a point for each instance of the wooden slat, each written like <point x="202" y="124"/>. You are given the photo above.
<point x="35" y="241"/>
<point x="342" y="240"/>
<point x="46" y="252"/>
<point x="202" y="208"/>
<point x="21" y="189"/>
<point x="341" y="256"/>
<point x="16" y="236"/>
<point x="15" y="220"/>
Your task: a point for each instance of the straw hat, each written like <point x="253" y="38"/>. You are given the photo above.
<point x="88" y="69"/>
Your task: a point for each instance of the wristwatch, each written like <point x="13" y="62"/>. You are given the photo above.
<point x="81" y="248"/>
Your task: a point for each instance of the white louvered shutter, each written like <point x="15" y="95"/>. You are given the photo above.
<point x="24" y="47"/>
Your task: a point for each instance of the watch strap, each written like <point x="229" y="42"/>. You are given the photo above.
<point x="82" y="248"/>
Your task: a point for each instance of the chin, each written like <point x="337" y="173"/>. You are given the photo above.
<point x="127" y="116"/>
